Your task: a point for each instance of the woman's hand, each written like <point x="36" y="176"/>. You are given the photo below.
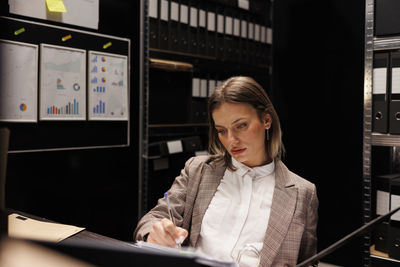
<point x="165" y="233"/>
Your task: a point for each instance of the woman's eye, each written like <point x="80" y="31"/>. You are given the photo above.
<point x="242" y="125"/>
<point x="220" y="131"/>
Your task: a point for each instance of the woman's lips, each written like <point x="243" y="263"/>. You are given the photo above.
<point x="237" y="151"/>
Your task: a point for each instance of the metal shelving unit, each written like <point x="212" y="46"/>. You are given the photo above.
<point x="215" y="65"/>
<point x="370" y="138"/>
<point x="367" y="185"/>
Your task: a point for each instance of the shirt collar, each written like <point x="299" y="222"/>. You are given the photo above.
<point x="259" y="171"/>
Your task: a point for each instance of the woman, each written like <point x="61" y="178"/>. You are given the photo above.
<point x="241" y="202"/>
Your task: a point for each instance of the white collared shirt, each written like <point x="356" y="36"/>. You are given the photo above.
<point x="237" y="217"/>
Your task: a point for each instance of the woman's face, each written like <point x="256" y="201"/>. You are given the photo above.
<point x="241" y="132"/>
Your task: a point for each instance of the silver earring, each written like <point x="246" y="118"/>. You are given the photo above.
<point x="267" y="134"/>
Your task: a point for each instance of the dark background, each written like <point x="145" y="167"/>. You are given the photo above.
<point x="317" y="87"/>
<point x="318" y="90"/>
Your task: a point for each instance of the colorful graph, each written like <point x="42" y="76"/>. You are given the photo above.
<point x="99" y="89"/>
<point x="69" y="109"/>
<point x="100" y="108"/>
<point x="59" y="85"/>
<point x="22" y="107"/>
<point x="76" y="87"/>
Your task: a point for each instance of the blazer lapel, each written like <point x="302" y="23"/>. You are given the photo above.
<point x="210" y="181"/>
<point x="282" y="210"/>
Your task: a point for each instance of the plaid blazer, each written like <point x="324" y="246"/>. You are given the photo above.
<point x="291" y="233"/>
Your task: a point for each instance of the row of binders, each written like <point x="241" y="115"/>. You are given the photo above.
<point x="204" y="87"/>
<point x="386" y="93"/>
<point x="207" y="28"/>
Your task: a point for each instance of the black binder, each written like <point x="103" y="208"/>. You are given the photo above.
<point x="235" y="39"/>
<point x="229" y="50"/>
<point x="394" y="105"/>
<point x="379" y="93"/>
<point x="184" y="26"/>
<point x="243" y="45"/>
<point x="154" y="14"/>
<point x="202" y="30"/>
<point x="211" y="29"/>
<point x="382" y="183"/>
<point x="173" y="37"/>
<point x="163" y="24"/>
<point x="387" y="19"/>
<point x="394" y="230"/>
<point x="193" y="27"/>
<point x="252" y="48"/>
<point x="220" y="42"/>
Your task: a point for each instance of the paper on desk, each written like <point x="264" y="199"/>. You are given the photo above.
<point x="22" y="227"/>
<point x="184" y="252"/>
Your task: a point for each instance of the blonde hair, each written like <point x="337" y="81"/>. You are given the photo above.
<point x="241" y="89"/>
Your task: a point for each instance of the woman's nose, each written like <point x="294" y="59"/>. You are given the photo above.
<point x="232" y="137"/>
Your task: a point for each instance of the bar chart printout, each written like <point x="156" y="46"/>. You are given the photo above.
<point x="107" y="86"/>
<point x="18" y="81"/>
<point x="62" y="83"/>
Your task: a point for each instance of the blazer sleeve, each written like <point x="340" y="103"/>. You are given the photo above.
<point x="177" y="197"/>
<point x="308" y="246"/>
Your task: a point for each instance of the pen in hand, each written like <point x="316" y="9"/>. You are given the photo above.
<point x="178" y="240"/>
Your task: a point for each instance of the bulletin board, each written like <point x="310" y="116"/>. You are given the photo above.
<point x="63" y="88"/>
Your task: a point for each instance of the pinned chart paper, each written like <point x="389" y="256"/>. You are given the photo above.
<point x="62" y="83"/>
<point x="18" y="81"/>
<point x="84" y="13"/>
<point x="108" y="86"/>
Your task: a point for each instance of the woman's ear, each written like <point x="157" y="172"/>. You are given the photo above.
<point x="267" y="120"/>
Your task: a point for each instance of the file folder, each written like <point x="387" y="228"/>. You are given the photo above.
<point x="220" y="46"/>
<point x="394" y="230"/>
<point x="202" y="36"/>
<point x="192" y="144"/>
<point x="163" y="26"/>
<point x="229" y="54"/>
<point x="153" y="21"/>
<point x="193" y="27"/>
<point x="198" y="110"/>
<point x="184" y="26"/>
<point x="252" y="48"/>
<point x="394" y="105"/>
<point x="259" y="46"/>
<point x="379" y="93"/>
<point x="387" y="19"/>
<point x="236" y="35"/>
<point x="211" y="30"/>
<point x="243" y="40"/>
<point x="381" y="237"/>
<point x="173" y="40"/>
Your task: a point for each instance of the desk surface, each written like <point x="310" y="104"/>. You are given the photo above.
<point x="84" y="235"/>
<point x="105" y="251"/>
